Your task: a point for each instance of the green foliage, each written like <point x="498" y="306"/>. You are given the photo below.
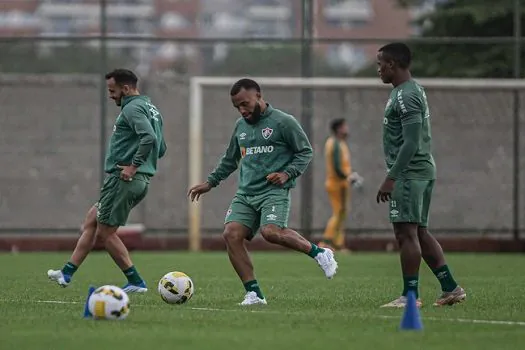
<point x="466" y="18"/>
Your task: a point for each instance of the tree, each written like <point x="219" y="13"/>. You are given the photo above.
<point x="466" y="18"/>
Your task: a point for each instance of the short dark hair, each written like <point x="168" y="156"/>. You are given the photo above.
<point x="399" y="53"/>
<point x="123" y="77"/>
<point x="336" y="124"/>
<point x="244" y="83"/>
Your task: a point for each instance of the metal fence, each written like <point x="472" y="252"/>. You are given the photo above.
<point x="56" y="120"/>
<point x="51" y="144"/>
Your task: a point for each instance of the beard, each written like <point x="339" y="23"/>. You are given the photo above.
<point x="255" y="116"/>
<point x="118" y="101"/>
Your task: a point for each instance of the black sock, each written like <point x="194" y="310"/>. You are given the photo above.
<point x="69" y="269"/>
<point x="314" y="250"/>
<point x="253" y="286"/>
<point x="410" y="283"/>
<point x="132" y="275"/>
<point x="444" y="276"/>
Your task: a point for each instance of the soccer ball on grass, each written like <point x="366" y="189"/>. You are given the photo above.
<point x="109" y="303"/>
<point x="175" y="287"/>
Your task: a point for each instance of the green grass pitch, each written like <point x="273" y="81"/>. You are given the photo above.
<point x="305" y="310"/>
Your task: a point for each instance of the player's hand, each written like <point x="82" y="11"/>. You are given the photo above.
<point x="196" y="191"/>
<point x="278" y="178"/>
<point x="353" y="177"/>
<point x="127" y="172"/>
<point x="385" y="191"/>
<point x="355" y="180"/>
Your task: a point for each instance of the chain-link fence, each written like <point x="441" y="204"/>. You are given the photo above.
<point x="51" y="146"/>
<point x="52" y="138"/>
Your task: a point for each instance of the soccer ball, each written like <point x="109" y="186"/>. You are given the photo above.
<point x="175" y="287"/>
<point x="109" y="303"/>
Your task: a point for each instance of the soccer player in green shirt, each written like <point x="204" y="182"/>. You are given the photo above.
<point x="135" y="146"/>
<point x="411" y="172"/>
<point x="272" y="151"/>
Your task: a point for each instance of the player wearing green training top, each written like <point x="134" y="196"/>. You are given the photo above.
<point x="411" y="172"/>
<point x="135" y="146"/>
<point x="272" y="151"/>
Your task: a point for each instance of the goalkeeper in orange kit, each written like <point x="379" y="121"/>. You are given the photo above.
<point x="339" y="179"/>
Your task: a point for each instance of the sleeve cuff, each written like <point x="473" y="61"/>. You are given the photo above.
<point x="212" y="181"/>
<point x="392" y="176"/>
<point x="289" y="174"/>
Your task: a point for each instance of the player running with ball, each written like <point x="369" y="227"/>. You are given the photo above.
<point x="272" y="151"/>
<point x="137" y="143"/>
<point x="411" y="173"/>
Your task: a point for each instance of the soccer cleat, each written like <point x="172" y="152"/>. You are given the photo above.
<point x="57" y="276"/>
<point x="251" y="298"/>
<point x="327" y="262"/>
<point x="135" y="288"/>
<point x="450" y="298"/>
<point x="400" y="303"/>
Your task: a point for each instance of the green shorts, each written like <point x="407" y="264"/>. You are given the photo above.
<point x="410" y="201"/>
<point x="118" y="197"/>
<point x="272" y="207"/>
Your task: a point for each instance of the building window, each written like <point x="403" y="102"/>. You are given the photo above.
<point x="18" y="19"/>
<point x="346" y="23"/>
<point x="62" y="25"/>
<point x="174" y="20"/>
<point x="269" y="28"/>
<point x="347" y="56"/>
<point x="123" y="26"/>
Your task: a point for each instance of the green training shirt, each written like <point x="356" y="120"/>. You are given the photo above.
<point x="276" y="143"/>
<point x="137" y="137"/>
<point x="407" y="135"/>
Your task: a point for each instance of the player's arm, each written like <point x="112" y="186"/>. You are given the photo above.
<point x="139" y="122"/>
<point x="297" y="140"/>
<point x="336" y="160"/>
<point x="228" y="163"/>
<point x="411" y="109"/>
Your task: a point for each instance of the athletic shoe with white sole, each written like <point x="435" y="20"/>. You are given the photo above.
<point x="400" y="303"/>
<point x="450" y="298"/>
<point x="135" y="288"/>
<point x="58" y="277"/>
<point x="251" y="298"/>
<point x="326" y="261"/>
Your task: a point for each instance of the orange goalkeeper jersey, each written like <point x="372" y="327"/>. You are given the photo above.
<point x="337" y="158"/>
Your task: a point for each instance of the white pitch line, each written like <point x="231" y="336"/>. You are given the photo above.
<point x="494" y="322"/>
<point x="388" y="317"/>
<point x="460" y="320"/>
<point x="55" y="302"/>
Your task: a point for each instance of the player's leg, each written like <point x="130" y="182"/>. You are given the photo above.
<point x="434" y="257"/>
<point x="333" y="226"/>
<point x="113" y="211"/>
<point x="275" y="208"/>
<point x="405" y="215"/>
<point x="84" y="245"/>
<point x="241" y="224"/>
<point x="339" y="241"/>
<point x="120" y="254"/>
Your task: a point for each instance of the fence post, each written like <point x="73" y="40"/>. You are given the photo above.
<point x="516" y="114"/>
<point x="103" y="98"/>
<point x="306" y="113"/>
